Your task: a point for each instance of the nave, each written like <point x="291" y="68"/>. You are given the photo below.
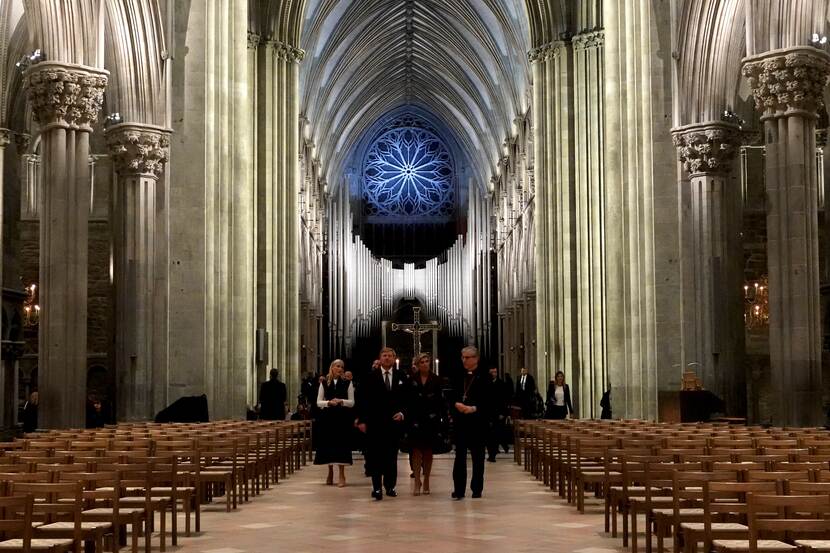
<point x="302" y="514"/>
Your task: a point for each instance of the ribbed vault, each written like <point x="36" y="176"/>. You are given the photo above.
<point x="463" y="62"/>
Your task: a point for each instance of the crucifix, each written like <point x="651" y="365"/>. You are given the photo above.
<point x="416" y="329"/>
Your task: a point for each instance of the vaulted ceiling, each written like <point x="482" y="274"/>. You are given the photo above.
<point x="463" y="62"/>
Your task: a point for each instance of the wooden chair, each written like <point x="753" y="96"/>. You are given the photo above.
<point x="793" y="516"/>
<point x="59" y="506"/>
<point x="724" y="513"/>
<point x="102" y="495"/>
<point x="16" y="524"/>
<point x="687" y="503"/>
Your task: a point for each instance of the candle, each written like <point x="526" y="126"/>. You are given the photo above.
<point x="397" y="363"/>
<point x="436" y="366"/>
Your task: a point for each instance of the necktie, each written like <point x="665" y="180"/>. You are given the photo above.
<point x="388" y="381"/>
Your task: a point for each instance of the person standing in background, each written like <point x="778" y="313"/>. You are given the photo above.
<point x="526" y="393"/>
<point x="499" y="400"/>
<point x="272" y="397"/>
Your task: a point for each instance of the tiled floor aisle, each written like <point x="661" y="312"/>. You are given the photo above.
<point x="302" y="515"/>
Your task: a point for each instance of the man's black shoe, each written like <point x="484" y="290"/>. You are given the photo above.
<point x="476" y="495"/>
<point x="491" y="459"/>
<point x="391" y="493"/>
<point x="377" y="494"/>
<point x="457" y="497"/>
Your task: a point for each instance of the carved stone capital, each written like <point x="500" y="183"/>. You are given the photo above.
<point x="287" y="52"/>
<point x="547" y="51"/>
<point x="22" y="141"/>
<point x="586" y="41"/>
<point x="253" y="40"/>
<point x="5" y="137"/>
<point x="788" y="82"/>
<point x="707" y="148"/>
<point x="138" y="150"/>
<point x="65" y="95"/>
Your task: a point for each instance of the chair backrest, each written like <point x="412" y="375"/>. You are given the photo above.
<point x="794" y="516"/>
<point x="781" y="478"/>
<point x="16" y="518"/>
<point x="48" y="506"/>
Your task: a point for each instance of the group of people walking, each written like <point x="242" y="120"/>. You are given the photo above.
<point x="392" y="408"/>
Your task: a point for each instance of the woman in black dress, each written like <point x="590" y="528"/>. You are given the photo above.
<point x="335" y="399"/>
<point x="426" y="412"/>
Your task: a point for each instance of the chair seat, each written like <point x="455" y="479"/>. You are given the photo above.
<point x="109" y="511"/>
<point x="815" y="545"/>
<point x="690" y="511"/>
<point x="141" y="499"/>
<point x="743" y="545"/>
<point x="68" y="525"/>
<point x="37" y="543"/>
<point x="169" y="489"/>
<point x="716" y="526"/>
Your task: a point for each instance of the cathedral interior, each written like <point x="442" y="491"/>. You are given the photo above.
<point x="629" y="191"/>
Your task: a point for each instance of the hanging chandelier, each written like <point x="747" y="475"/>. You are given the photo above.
<point x="756" y="304"/>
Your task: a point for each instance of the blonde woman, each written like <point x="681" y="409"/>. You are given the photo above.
<point x="335" y="399"/>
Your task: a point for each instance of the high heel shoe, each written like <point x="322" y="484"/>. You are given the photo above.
<point x="425" y="490"/>
<point x="417" y="490"/>
<point x="341" y="483"/>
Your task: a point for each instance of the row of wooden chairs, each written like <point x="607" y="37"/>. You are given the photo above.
<point x="63" y="489"/>
<point x="694" y="483"/>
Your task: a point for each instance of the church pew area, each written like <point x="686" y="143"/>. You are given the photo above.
<point x="688" y="487"/>
<point x="62" y="489"/>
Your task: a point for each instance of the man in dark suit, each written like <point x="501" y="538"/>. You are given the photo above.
<point x="470" y="413"/>
<point x="381" y="416"/>
<point x="272" y="396"/>
<point x="499" y="405"/>
<point x="526" y="393"/>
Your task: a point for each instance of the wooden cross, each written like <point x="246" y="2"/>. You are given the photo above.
<point x="416" y="329"/>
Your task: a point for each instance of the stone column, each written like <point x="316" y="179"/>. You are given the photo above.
<point x="712" y="300"/>
<point x="139" y="153"/>
<point x="278" y="174"/>
<point x="788" y="86"/>
<point x="7" y="377"/>
<point x="65" y="100"/>
<point x="589" y="220"/>
<point x="556" y="332"/>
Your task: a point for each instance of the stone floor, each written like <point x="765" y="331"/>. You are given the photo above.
<point x="303" y="515"/>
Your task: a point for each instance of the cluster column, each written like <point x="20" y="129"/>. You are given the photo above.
<point x="139" y="153"/>
<point x="712" y="304"/>
<point x="788" y="85"/>
<point x="556" y="333"/>
<point x="65" y="100"/>
<point x="278" y="188"/>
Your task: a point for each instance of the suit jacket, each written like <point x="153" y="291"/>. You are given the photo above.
<point x="551" y="399"/>
<point x="272" y="396"/>
<point x="378" y="405"/>
<point x="530" y="388"/>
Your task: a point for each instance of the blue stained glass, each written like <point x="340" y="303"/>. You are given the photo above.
<point x="408" y="171"/>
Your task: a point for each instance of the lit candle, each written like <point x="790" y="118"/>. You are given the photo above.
<point x="397" y="363"/>
<point x="436" y="366"/>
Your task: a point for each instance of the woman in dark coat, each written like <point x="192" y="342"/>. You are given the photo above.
<point x="559" y="404"/>
<point x="426" y="414"/>
<point x="335" y="400"/>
